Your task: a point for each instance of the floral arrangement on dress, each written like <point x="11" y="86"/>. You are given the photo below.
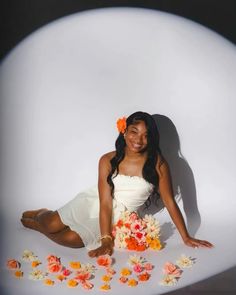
<point x="134" y="233"/>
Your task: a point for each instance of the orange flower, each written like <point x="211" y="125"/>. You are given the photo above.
<point x="105" y="287"/>
<point x="75" y="264"/>
<point x="144" y="277"/>
<point x="125" y="272"/>
<point x="131" y="243"/>
<point x="104" y="260"/>
<point x="13" y="264"/>
<point x="18" y="274"/>
<point x="141" y="247"/>
<point x="119" y="223"/>
<point x="72" y="283"/>
<point x="35" y="263"/>
<point x="155" y="244"/>
<point x="132" y="283"/>
<point x="121" y="124"/>
<point x="48" y="282"/>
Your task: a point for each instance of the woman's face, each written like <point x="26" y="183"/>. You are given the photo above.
<point x="136" y="137"/>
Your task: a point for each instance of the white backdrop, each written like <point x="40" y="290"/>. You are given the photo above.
<point x="62" y="90"/>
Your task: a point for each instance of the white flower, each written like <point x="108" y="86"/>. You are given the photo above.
<point x="37" y="275"/>
<point x="153" y="226"/>
<point x="29" y="256"/>
<point x="168" y="280"/>
<point x="88" y="267"/>
<point x="185" y="261"/>
<point x="135" y="259"/>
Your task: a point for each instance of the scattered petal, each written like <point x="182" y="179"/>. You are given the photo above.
<point x="132" y="283"/>
<point x="105" y="287"/>
<point x="185" y="261"/>
<point x="61" y="277"/>
<point x="48" y="282"/>
<point x="13" y="264"/>
<point x="110" y="271"/>
<point x="171" y="269"/>
<point x="37" y="275"/>
<point x="106" y="278"/>
<point x="87" y="285"/>
<point x="104" y="260"/>
<point x="35" y="263"/>
<point x="72" y="283"/>
<point x="75" y="264"/>
<point x="144" y="277"/>
<point x="168" y="280"/>
<point x="123" y="280"/>
<point x="125" y="272"/>
<point x="28" y="256"/>
<point x="18" y="274"/>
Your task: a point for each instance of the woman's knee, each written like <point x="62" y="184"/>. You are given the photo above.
<point x="50" y="222"/>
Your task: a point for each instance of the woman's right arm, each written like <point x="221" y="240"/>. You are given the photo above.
<point x="105" y="212"/>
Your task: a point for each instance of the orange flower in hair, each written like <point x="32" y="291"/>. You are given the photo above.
<point x="121" y="125"/>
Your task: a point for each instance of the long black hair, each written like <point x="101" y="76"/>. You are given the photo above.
<point x="153" y="152"/>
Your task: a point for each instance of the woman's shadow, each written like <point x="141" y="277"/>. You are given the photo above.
<point x="182" y="176"/>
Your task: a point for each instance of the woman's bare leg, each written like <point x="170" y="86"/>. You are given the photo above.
<point x="49" y="223"/>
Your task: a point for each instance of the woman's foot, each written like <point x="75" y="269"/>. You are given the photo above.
<point x="33" y="213"/>
<point x="31" y="223"/>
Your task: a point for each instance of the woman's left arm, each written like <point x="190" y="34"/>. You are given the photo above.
<point x="166" y="192"/>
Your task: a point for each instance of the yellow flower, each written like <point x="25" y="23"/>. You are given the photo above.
<point x="155" y="244"/>
<point x="35" y="263"/>
<point x="72" y="283"/>
<point x="61" y="277"/>
<point x="75" y="264"/>
<point x="106" y="278"/>
<point x="125" y="272"/>
<point x="18" y="274"/>
<point x="48" y="282"/>
<point x="132" y="283"/>
<point x="148" y="240"/>
<point x="105" y="287"/>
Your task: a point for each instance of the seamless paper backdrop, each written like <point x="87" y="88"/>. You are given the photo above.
<point x="63" y="88"/>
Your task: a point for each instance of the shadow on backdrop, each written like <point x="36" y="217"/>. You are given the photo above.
<point x="181" y="174"/>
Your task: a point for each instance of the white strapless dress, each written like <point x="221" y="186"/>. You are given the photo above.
<point x="81" y="214"/>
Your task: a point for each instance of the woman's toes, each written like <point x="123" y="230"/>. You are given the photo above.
<point x="33" y="213"/>
<point x="30" y="223"/>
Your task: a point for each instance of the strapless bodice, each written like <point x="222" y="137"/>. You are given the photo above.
<point x="130" y="192"/>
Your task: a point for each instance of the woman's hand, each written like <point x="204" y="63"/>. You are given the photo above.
<point x="105" y="248"/>
<point x="195" y="243"/>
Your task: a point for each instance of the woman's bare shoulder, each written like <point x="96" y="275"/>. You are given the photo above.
<point x="106" y="158"/>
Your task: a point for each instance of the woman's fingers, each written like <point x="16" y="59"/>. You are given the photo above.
<point x="198" y="243"/>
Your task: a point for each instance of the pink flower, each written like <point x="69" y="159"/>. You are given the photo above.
<point x="138" y="268"/>
<point x="148" y="266"/>
<point x="13" y="264"/>
<point x="54" y="267"/>
<point x="66" y="272"/>
<point x="53" y="259"/>
<point x="171" y="269"/>
<point x="104" y="260"/>
<point x="133" y="216"/>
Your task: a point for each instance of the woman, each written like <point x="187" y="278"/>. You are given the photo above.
<point x="128" y="177"/>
